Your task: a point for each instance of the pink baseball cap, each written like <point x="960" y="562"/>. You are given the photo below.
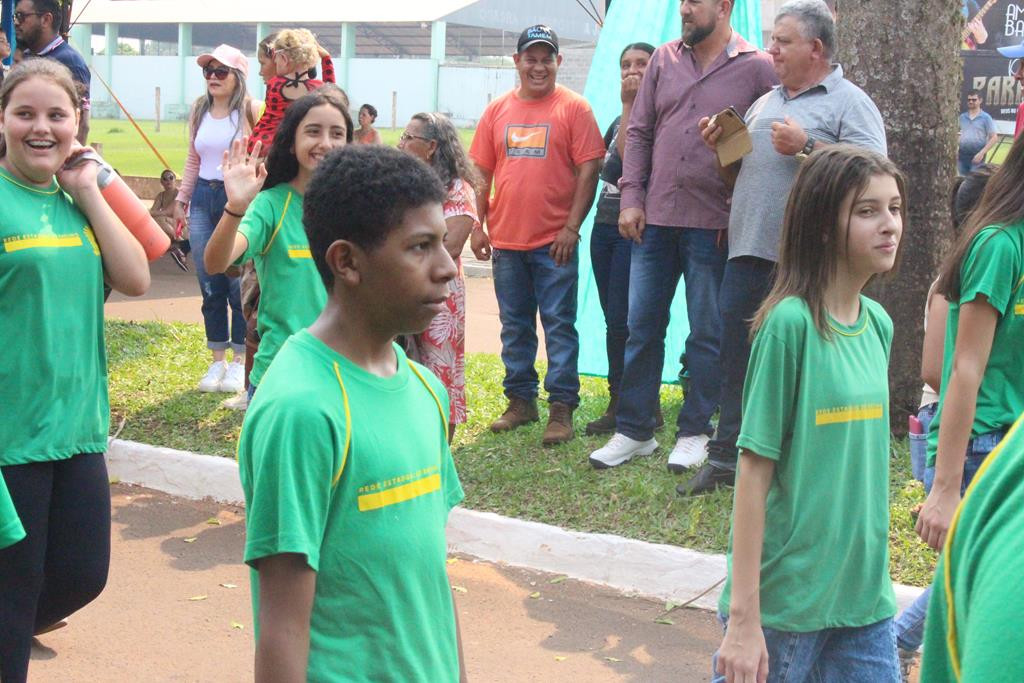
<point x="228" y="56"/>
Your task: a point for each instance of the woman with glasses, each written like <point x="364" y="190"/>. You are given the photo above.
<point x="441" y="347"/>
<point x="223" y="114"/>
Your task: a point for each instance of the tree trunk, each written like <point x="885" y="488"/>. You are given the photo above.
<point x="906" y="55"/>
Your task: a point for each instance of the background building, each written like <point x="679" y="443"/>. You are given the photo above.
<point x="403" y="57"/>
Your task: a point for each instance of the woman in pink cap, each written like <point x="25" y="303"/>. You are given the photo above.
<point x="224" y="113"/>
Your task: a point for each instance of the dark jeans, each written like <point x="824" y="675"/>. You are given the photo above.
<point x="219" y="291"/>
<point x="610" y="256"/>
<point x="663" y="256"/>
<point x="745" y="284"/>
<point x="61" y="564"/>
<point x="525" y="282"/>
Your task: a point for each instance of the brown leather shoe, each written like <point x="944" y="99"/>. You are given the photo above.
<point x="606" y="423"/>
<point x="519" y="412"/>
<point x="559" y="429"/>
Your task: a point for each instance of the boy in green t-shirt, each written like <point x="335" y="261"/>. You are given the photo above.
<point x="344" y="455"/>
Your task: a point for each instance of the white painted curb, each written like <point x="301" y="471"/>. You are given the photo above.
<point x="661" y="571"/>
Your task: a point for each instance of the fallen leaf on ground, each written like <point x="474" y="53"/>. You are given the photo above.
<point x="669" y="606"/>
<point x="115" y="480"/>
<point x="213" y="521"/>
<point x="228" y="585"/>
<point x="612" y="659"/>
<point x="235" y="624"/>
<point x="664" y="620"/>
<point x="535" y="595"/>
<point x="558" y="579"/>
<point x="190" y="539"/>
<point x="459" y="589"/>
<point x="559" y="658"/>
<point x="452" y="560"/>
<point x="197" y="598"/>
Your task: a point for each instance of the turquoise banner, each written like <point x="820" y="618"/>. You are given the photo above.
<point x="630" y="21"/>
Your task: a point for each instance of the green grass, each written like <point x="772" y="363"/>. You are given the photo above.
<point x="154" y="368"/>
<point x="126" y="151"/>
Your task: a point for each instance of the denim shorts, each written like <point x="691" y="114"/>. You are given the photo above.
<point x="857" y="653"/>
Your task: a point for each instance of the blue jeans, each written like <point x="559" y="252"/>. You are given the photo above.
<point x="219" y="291"/>
<point x="745" y="284"/>
<point x="965" y="161"/>
<point x="657" y="262"/>
<point x="910" y="622"/>
<point x="832" y="655"/>
<point x="525" y="282"/>
<point x="919" y="442"/>
<point x="610" y="256"/>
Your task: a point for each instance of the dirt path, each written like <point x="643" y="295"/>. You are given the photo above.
<point x="150" y="625"/>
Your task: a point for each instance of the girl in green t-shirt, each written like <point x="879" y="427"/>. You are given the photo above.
<point x="262" y="219"/>
<point x="808" y="590"/>
<point x="59" y="242"/>
<point x="982" y="390"/>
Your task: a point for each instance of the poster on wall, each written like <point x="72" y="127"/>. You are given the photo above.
<point x="988" y="26"/>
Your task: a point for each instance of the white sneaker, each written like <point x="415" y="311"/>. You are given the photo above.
<point x="234" y="378"/>
<point x="620" y="449"/>
<point x="689" y="451"/>
<point x="211" y="380"/>
<point x="239" y="401"/>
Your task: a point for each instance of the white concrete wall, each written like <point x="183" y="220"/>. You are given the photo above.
<point x="465" y="91"/>
<point x="372" y="81"/>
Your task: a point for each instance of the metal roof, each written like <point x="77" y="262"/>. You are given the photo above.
<point x="272" y="11"/>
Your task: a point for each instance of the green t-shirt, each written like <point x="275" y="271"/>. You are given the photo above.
<point x="977" y="581"/>
<point x="383" y="607"/>
<point x="10" y="525"/>
<point x="291" y="291"/>
<point x="53" y="378"/>
<point x="820" y="410"/>
<point x="993" y="267"/>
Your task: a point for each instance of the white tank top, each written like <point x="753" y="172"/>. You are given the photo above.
<point x="213" y="137"/>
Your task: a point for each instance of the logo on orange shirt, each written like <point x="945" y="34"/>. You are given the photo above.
<point x="527" y="141"/>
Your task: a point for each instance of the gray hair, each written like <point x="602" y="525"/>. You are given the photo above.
<point x="449" y="160"/>
<point x="815" y="19"/>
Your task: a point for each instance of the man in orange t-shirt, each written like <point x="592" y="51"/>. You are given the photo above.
<point x="542" y="149"/>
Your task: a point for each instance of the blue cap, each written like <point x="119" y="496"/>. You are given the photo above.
<point x="1013" y="52"/>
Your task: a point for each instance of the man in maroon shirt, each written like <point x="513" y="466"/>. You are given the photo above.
<point x="675" y="208"/>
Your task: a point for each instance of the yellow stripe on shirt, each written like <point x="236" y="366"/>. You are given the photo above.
<point x="300" y="253"/>
<point x="828" y="416"/>
<point x="400" y="494"/>
<point x="42" y="241"/>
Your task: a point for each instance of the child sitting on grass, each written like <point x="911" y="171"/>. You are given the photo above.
<point x="344" y="454"/>
<point x="295" y="54"/>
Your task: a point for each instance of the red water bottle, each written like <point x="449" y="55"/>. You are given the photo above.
<point x="129" y="208"/>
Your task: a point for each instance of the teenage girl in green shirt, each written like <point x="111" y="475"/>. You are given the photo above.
<point x="262" y="219"/>
<point x="808" y="593"/>
<point x="59" y="242"/>
<point x="983" y="362"/>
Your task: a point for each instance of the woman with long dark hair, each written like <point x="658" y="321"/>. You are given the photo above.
<point x="224" y="113"/>
<point x="262" y="218"/>
<point x="610" y="252"/>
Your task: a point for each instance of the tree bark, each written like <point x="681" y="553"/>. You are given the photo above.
<point x="906" y="55"/>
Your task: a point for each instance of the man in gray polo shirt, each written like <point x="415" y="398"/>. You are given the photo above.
<point x="814" y="107"/>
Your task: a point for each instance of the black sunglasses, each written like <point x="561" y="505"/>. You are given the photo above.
<point x="218" y="72"/>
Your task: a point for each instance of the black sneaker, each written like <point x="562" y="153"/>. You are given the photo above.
<point x="708" y="478"/>
<point x="179" y="257"/>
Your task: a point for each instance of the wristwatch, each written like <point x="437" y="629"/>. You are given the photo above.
<point x="802" y="155"/>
